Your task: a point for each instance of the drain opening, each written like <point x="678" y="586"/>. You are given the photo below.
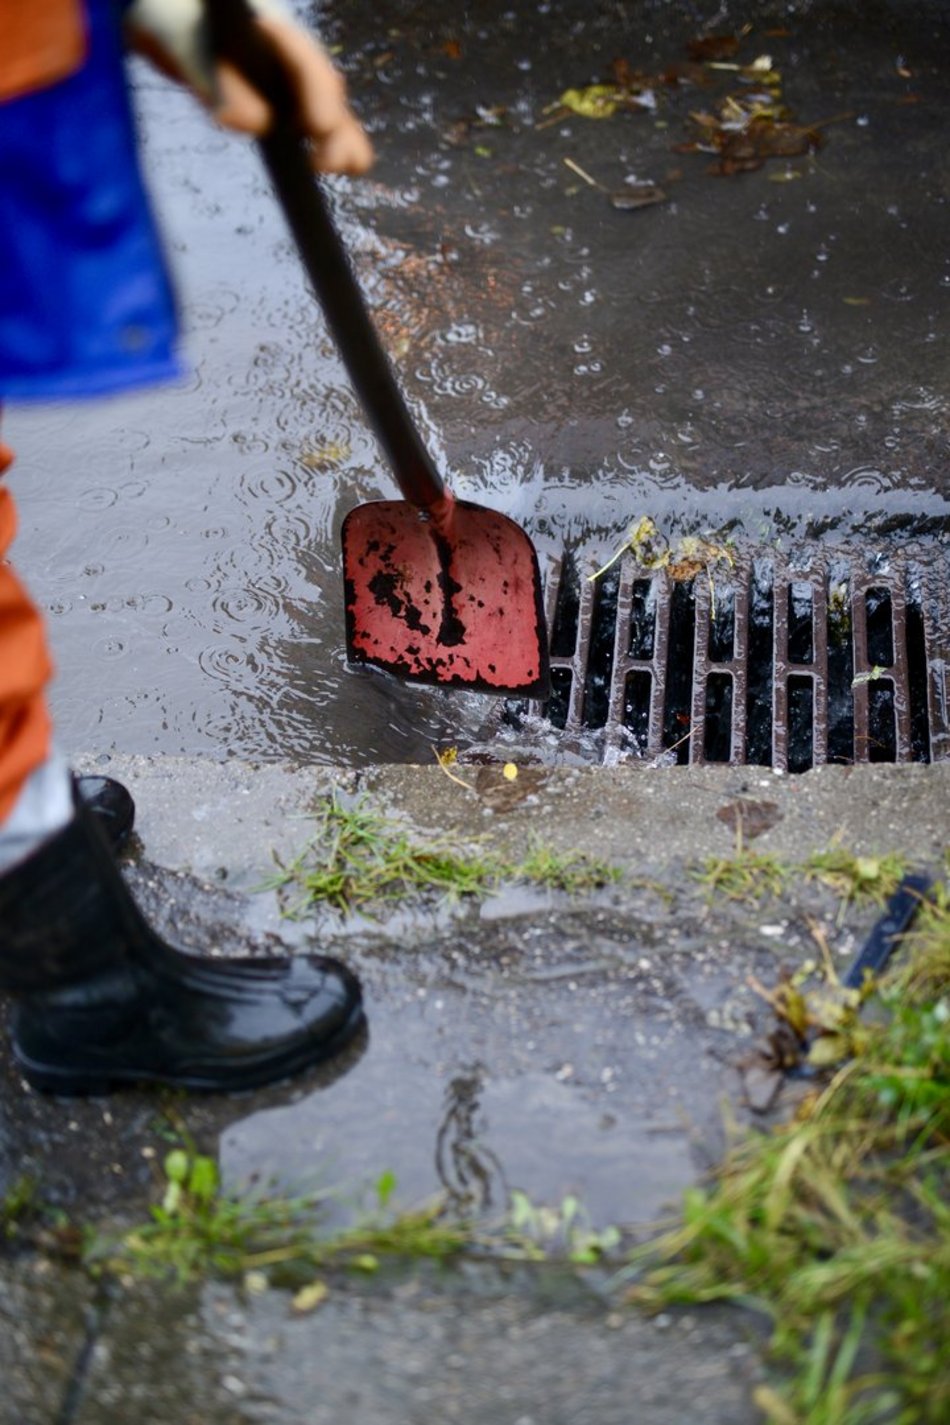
<point x="679" y="667"/>
<point x="559" y="704"/>
<point x="636" y="708"/>
<point x="882" y="729"/>
<point x="759" y="677"/>
<point x="801" y="723"/>
<point x="840" y="672"/>
<point x="722" y="628"/>
<point x="564" y="627"/>
<point x="600" y="659"/>
<point x="880" y="632"/>
<point x="717" y="740"/>
<point x="771" y="667"/>
<point x="917" y="679"/>
<point x="801" y="647"/>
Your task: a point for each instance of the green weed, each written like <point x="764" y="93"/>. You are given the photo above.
<point x="755" y="875"/>
<point x="852" y="877"/>
<point x="198" y="1230"/>
<point x="745" y="876"/>
<point x="359" y="858"/>
<point x="18" y="1203"/>
<point x="540" y="1232"/>
<point x="573" y="872"/>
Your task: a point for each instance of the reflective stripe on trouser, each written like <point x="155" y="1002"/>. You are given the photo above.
<point x="25" y="669"/>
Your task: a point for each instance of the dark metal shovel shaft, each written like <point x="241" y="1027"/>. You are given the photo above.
<point x="234" y="36"/>
<point x="335" y="284"/>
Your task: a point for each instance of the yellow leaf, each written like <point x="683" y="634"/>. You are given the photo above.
<point x="597" y="101"/>
<point x="308" y="1298"/>
<point x="335" y="452"/>
<point x="509" y="771"/>
<point x="790" y="1005"/>
<point x="828" y="1050"/>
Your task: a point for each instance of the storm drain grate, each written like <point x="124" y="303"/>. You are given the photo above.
<point x="771" y="664"/>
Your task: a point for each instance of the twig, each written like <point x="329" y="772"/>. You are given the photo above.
<point x="581" y="173"/>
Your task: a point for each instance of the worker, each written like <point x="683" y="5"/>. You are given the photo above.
<point x="86" y="308"/>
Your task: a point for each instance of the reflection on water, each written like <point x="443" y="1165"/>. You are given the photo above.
<point x="765" y="355"/>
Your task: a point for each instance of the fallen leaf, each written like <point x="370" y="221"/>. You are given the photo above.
<point x="308" y="1298"/>
<point x="828" y="1050"/>
<point x="509" y="771"/>
<point x="710" y="47"/>
<point x="596" y="101"/>
<point x="323" y="456"/>
<point x="636" y="196"/>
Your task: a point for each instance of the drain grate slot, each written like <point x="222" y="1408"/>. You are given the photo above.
<point x="772" y="665"/>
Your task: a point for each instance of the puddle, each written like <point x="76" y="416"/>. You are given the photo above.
<point x="512" y="1056"/>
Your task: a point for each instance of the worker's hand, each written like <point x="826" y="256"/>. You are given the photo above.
<point x="173" y="34"/>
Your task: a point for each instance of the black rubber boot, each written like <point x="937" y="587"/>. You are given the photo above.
<point x="112" y="806"/>
<point x="102" y="1001"/>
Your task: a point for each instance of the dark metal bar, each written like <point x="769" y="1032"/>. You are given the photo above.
<point x="697" y="712"/>
<point x="819" y="637"/>
<point x="936" y="620"/>
<point x="861" y="669"/>
<point x="780" y="588"/>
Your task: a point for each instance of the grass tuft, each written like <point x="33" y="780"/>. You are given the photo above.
<point x="746" y="876"/>
<point x="359" y="859"/>
<point x="199" y="1230"/>
<point x="754" y="875"/>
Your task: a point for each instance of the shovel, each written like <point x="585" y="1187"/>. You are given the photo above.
<point x="438" y="590"/>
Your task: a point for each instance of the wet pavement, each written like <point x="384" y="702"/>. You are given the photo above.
<point x="589" y="1046"/>
<point x="768" y="356"/>
<point x="765" y="356"/>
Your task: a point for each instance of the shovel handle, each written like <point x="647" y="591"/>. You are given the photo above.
<point x="235" y="37"/>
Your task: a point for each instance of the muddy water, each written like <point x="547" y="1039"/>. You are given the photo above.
<point x="766" y="354"/>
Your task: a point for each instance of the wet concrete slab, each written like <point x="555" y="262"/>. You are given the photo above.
<point x="47" y="1320"/>
<point x="588" y="1046"/>
<point x="412" y="1351"/>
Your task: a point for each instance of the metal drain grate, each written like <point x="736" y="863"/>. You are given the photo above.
<point x="773" y="665"/>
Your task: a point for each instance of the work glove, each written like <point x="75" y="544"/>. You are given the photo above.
<point x="174" y="35"/>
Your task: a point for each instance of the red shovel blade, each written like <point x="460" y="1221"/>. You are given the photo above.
<point x="462" y="610"/>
